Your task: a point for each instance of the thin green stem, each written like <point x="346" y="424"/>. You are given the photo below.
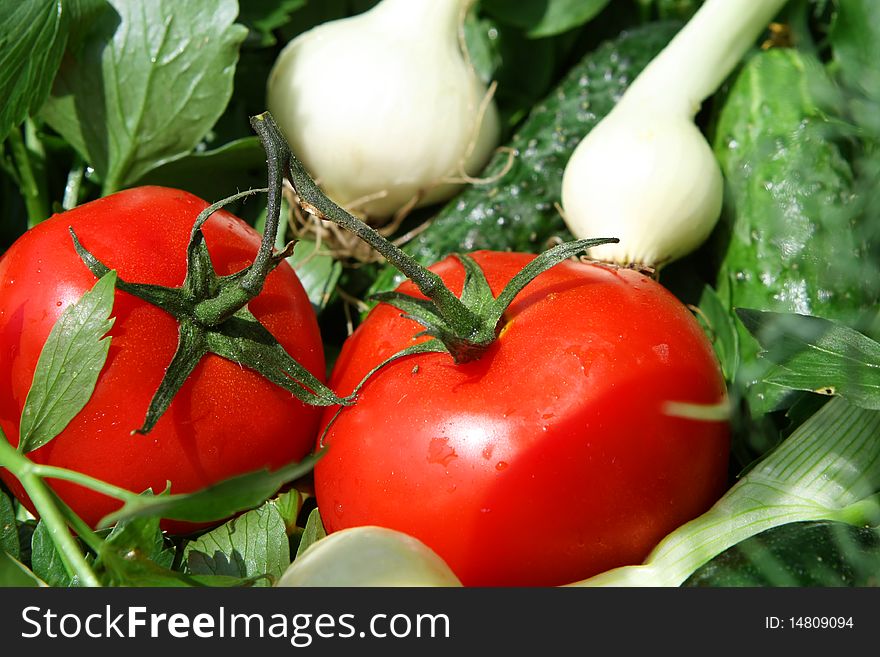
<point x="68" y="549"/>
<point x="97" y="485"/>
<point x="43" y="500"/>
<point x="214" y="310"/>
<point x="542" y="263"/>
<point x="74" y="182"/>
<point x="89" y="537"/>
<point x="277" y="157"/>
<point x="36" y="204"/>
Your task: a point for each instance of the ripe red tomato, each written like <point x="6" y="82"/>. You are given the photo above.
<point x="226" y="419"/>
<point x="551" y="458"/>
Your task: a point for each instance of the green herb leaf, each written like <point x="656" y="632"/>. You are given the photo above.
<point x="45" y="559"/>
<point x="136" y="570"/>
<point x="215" y="502"/>
<point x="143" y="572"/>
<point x="149" y="82"/>
<point x="31" y="45"/>
<point x="8" y="527"/>
<point x="314" y="531"/>
<point x="318" y="271"/>
<point x="289" y="505"/>
<point x="721" y="329"/>
<point x="481" y="38"/>
<point x="81" y="14"/>
<point x="135" y="554"/>
<point x="262" y="17"/>
<point x="545" y="18"/>
<point x="140" y="536"/>
<point x="69" y="364"/>
<point x="798" y="554"/>
<point x="239" y="164"/>
<point x="818" y="355"/>
<point x="15" y="573"/>
<point x="250" y="545"/>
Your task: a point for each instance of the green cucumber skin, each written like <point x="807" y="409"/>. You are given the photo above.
<point x="798" y="554"/>
<point x="517" y="211"/>
<point x="789" y="208"/>
<point x="790" y="230"/>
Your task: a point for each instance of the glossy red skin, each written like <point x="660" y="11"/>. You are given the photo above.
<point x="551" y="458"/>
<point x="226" y="419"/>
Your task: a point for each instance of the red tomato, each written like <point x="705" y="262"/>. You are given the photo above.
<point x="553" y="457"/>
<point x="226" y="419"/>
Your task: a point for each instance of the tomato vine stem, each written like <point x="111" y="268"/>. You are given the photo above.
<point x="467" y="325"/>
<point x="32" y="188"/>
<point x="314" y="201"/>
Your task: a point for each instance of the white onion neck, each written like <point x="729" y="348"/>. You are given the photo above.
<point x="702" y="54"/>
<point x="421" y="17"/>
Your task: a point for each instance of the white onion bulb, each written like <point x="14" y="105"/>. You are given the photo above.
<point x="383" y="107"/>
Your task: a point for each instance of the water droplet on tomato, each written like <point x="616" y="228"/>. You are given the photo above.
<point x="58" y="303"/>
<point x="487" y="451"/>
<point x="338" y="509"/>
<point x="501" y="465"/>
<point x="440" y="452"/>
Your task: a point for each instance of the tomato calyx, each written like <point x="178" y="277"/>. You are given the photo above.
<point x="212" y="311"/>
<point x="477" y="296"/>
<point x="465" y="326"/>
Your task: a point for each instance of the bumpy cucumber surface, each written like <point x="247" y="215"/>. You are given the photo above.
<point x="516" y="211"/>
<point x="794" y="240"/>
<point x="790" y="238"/>
<point x="797" y="554"/>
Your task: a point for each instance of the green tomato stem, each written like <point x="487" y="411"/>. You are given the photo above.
<point x="35" y="201"/>
<point x="463" y="320"/>
<point x="43" y="499"/>
<point x="74" y="182"/>
<point x="214" y="310"/>
<point x="463" y="325"/>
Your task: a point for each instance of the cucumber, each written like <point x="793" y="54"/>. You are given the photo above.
<point x="798" y="554"/>
<point x="790" y="239"/>
<point x="516" y="211"/>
